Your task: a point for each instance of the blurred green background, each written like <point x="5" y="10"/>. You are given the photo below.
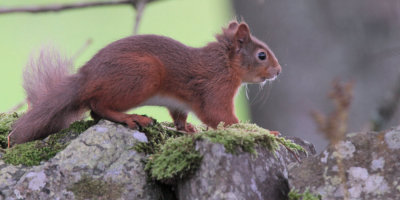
<point x="192" y="22"/>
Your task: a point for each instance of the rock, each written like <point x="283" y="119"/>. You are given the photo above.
<point x="99" y="164"/>
<point x="224" y="175"/>
<point x="9" y="176"/>
<point x="370" y="167"/>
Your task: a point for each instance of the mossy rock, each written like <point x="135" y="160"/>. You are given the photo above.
<point x="32" y="153"/>
<point x="157" y="135"/>
<point x="173" y="156"/>
<point x="246" y="137"/>
<point x="174" y="160"/>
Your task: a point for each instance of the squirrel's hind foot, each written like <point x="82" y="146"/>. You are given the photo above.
<point x="188" y="128"/>
<point x="138" y="121"/>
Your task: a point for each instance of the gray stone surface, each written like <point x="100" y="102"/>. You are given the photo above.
<point x="242" y="176"/>
<point x="103" y="157"/>
<point x="102" y="153"/>
<point x="9" y="176"/>
<point x="371" y="163"/>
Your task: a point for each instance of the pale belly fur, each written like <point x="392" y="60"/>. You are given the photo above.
<point x="169" y="102"/>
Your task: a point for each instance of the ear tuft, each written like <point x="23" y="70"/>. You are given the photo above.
<point x="233" y="25"/>
<point x="243" y="32"/>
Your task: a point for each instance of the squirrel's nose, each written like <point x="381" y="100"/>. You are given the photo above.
<point x="279" y="70"/>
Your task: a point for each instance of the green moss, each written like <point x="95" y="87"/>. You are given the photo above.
<point x="6" y="120"/>
<point x="290" y="144"/>
<point x="175" y="159"/>
<point x="241" y="136"/>
<point x="70" y="133"/>
<point x="157" y="135"/>
<point x="247" y="137"/>
<point x="90" y="188"/>
<point x="32" y="153"/>
<point x="172" y="155"/>
<point x="306" y="195"/>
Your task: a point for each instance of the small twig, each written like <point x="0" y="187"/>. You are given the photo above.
<point x="62" y="7"/>
<point x="174" y="129"/>
<point x="81" y="50"/>
<point x="387" y="109"/>
<point x="18" y="106"/>
<point x="9" y="140"/>
<point x="334" y="125"/>
<point x="140" y="5"/>
<point x="290" y="150"/>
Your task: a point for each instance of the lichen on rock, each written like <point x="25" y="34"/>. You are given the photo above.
<point x="369" y="163"/>
<point x="98" y="160"/>
<point x="91" y="188"/>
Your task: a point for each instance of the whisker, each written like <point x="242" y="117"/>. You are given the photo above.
<point x="246" y="91"/>
<point x="265" y="93"/>
<point x="255" y="97"/>
<point x="268" y="93"/>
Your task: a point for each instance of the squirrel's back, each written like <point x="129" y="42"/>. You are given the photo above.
<point x="169" y="51"/>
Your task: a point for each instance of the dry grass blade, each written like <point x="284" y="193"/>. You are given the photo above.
<point x="334" y="126"/>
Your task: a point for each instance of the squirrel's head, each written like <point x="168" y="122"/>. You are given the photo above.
<point x="253" y="59"/>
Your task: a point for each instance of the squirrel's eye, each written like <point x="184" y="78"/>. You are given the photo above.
<point x="262" y="55"/>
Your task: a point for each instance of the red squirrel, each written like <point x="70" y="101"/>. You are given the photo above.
<point x="145" y="70"/>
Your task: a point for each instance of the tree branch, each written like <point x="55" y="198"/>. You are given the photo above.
<point x="17" y="107"/>
<point x="81" y="50"/>
<point x="139" y="5"/>
<point x="62" y="7"/>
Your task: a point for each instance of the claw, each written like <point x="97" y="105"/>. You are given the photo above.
<point x="275" y="133"/>
<point x="190" y="128"/>
<point x="138" y="121"/>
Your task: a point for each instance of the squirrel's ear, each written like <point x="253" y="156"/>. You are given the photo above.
<point x="242" y="33"/>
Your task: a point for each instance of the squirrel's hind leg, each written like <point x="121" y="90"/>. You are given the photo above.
<point x="179" y="118"/>
<point x="132" y="120"/>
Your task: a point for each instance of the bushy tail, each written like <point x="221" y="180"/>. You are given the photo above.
<point x="53" y="95"/>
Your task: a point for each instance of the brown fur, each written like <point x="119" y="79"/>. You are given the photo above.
<point x="126" y="73"/>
